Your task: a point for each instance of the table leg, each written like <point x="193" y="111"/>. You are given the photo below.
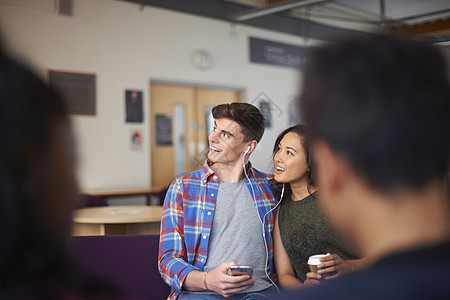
<point x="81" y="229"/>
<point x="143" y="228"/>
<point x="112" y="229"/>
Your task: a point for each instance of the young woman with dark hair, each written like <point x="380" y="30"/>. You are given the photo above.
<point x="301" y="230"/>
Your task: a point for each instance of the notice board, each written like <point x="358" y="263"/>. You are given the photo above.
<point x="77" y="89"/>
<point x="133" y="106"/>
<point x="163" y="130"/>
<point x="277" y="54"/>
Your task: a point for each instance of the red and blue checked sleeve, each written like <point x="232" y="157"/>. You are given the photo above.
<point x="172" y="258"/>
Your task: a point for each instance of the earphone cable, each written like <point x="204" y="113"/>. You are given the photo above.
<point x="262" y="223"/>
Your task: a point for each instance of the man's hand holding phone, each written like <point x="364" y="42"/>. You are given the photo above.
<point x="240" y="270"/>
<point x="219" y="281"/>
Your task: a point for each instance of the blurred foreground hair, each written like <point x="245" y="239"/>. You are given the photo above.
<point x="383" y="103"/>
<point x="35" y="263"/>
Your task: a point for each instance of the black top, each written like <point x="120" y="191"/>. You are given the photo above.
<point x="305" y="231"/>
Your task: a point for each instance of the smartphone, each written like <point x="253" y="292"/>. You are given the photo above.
<point x="241" y="270"/>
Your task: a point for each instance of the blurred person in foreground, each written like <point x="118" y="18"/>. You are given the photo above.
<point x="378" y="109"/>
<point x="37" y="193"/>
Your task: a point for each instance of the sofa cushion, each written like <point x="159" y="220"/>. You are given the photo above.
<point x="130" y="261"/>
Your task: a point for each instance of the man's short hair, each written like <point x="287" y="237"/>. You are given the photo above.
<point x="248" y="116"/>
<point x="383" y="103"/>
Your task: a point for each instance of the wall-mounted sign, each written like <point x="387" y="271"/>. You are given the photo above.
<point x="267" y="106"/>
<point x="163" y="130"/>
<point x="133" y="103"/>
<point x="278" y="54"/>
<point x="136" y="140"/>
<point x="294" y="111"/>
<point x="264" y="107"/>
<point x="77" y="89"/>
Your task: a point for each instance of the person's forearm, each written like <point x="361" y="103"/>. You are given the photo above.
<point x="178" y="271"/>
<point x="195" y="281"/>
<point x="356" y="264"/>
<point x="289" y="282"/>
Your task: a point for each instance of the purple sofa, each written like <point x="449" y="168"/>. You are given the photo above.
<point x="130" y="261"/>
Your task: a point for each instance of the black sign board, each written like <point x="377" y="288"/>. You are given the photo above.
<point x="163" y="130"/>
<point x="278" y="54"/>
<point x="77" y="89"/>
<point x="133" y="103"/>
<point x="264" y="107"/>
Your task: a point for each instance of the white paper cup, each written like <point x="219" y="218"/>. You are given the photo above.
<point x="314" y="261"/>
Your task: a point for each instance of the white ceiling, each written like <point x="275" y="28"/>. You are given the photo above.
<point x="399" y="9"/>
<point x="394" y="9"/>
<point x="375" y="15"/>
<point x="359" y="15"/>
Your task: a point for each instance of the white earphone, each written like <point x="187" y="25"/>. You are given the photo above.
<point x="246" y="151"/>
<point x="263" y="220"/>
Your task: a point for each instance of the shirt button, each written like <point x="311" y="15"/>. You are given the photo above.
<point x="209" y="213"/>
<point x="215" y="177"/>
<point x="202" y="259"/>
<point x="204" y="236"/>
<point x="212" y="195"/>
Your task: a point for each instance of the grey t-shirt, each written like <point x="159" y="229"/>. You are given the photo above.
<point x="236" y="233"/>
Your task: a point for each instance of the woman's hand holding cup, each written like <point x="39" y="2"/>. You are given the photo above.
<point x="329" y="266"/>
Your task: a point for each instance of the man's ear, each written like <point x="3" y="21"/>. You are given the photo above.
<point x="252" y="146"/>
<point x="338" y="189"/>
<point x="332" y="169"/>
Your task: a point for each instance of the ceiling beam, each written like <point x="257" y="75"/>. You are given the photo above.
<point x="222" y="10"/>
<point x="440" y="14"/>
<point x="273" y="8"/>
<point x="436" y="27"/>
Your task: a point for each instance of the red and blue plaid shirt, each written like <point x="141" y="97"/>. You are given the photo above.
<point x="187" y="219"/>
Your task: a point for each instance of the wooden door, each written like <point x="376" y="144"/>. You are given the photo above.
<point x="166" y="100"/>
<point x="186" y="111"/>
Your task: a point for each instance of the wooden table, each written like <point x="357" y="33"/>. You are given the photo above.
<point x="106" y="220"/>
<point x="147" y="192"/>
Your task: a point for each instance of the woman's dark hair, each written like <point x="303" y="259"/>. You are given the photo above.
<point x="29" y="252"/>
<point x="303" y="132"/>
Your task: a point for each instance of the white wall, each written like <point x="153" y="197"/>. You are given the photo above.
<point x="127" y="48"/>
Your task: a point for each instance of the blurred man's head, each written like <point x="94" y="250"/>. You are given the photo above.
<point x="379" y="111"/>
<point x="37" y="172"/>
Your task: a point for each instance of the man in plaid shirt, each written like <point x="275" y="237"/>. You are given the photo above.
<point x="221" y="215"/>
